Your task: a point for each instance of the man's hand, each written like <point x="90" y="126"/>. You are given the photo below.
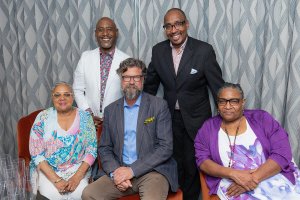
<point x="122" y="174"/>
<point x="124" y="185"/>
<point x="97" y="121"/>
<point x="244" y="178"/>
<point x="234" y="190"/>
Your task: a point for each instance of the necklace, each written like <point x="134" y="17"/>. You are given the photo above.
<point x="232" y="147"/>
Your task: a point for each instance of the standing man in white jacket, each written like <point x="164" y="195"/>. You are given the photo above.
<point x="96" y="83"/>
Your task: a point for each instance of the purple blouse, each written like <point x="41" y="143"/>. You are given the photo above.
<point x="273" y="138"/>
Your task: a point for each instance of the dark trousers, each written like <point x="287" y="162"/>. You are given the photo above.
<point x="184" y="154"/>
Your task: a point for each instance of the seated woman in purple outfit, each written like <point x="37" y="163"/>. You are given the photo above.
<point x="246" y="154"/>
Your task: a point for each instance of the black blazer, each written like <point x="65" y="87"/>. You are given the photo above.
<point x="198" y="69"/>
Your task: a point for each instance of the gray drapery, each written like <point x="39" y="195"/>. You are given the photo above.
<point x="256" y="42"/>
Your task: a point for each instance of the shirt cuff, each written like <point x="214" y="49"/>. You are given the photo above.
<point x="111" y="175"/>
<point x="38" y="159"/>
<point x="132" y="172"/>
<point x="90" y="159"/>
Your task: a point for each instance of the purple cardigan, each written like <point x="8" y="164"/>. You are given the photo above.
<point x="271" y="135"/>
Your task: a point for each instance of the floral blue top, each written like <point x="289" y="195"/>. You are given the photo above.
<point x="63" y="150"/>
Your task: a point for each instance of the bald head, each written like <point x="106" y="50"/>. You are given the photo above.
<point x="175" y="10"/>
<point x="108" y="20"/>
<point x="106" y="34"/>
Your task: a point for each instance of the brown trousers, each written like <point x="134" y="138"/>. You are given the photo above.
<point x="151" y="186"/>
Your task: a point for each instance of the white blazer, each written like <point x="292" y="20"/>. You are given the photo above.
<point x="87" y="83"/>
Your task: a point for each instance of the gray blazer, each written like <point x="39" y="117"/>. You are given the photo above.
<point x="154" y="139"/>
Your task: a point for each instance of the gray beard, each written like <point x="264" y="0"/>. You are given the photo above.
<point x="131" y="94"/>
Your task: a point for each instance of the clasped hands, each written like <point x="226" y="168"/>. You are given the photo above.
<point x="122" y="176"/>
<point x="243" y="181"/>
<point x="65" y="186"/>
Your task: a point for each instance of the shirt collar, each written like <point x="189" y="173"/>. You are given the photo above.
<point x="182" y="46"/>
<point x="110" y="53"/>
<point x="137" y="102"/>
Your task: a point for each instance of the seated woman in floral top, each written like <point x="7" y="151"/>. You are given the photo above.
<point x="246" y="154"/>
<point x="62" y="147"/>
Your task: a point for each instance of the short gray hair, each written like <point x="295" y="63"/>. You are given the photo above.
<point x="130" y="63"/>
<point x="235" y="86"/>
<point x="62" y="83"/>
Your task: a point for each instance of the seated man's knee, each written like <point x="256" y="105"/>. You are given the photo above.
<point x="100" y="189"/>
<point x="154" y="186"/>
<point x="85" y="193"/>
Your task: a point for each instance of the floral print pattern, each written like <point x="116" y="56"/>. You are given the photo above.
<point x="63" y="150"/>
<point x="275" y="187"/>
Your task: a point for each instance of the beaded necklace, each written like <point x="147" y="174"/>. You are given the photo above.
<point x="232" y="147"/>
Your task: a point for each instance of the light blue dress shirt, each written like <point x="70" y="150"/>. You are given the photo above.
<point x="130" y="125"/>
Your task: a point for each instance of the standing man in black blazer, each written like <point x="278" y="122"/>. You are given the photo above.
<point x="186" y="67"/>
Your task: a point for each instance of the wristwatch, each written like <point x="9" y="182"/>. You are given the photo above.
<point x="111" y="175"/>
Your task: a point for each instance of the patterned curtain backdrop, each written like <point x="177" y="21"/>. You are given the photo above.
<point x="257" y="43"/>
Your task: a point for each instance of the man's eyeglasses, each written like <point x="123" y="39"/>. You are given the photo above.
<point x="232" y="102"/>
<point x="135" y="78"/>
<point x="58" y="95"/>
<point x="177" y="25"/>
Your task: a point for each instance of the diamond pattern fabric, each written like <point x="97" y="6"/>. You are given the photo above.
<point x="256" y="43"/>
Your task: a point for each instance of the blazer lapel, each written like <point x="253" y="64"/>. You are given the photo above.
<point x="95" y="73"/>
<point x="143" y="112"/>
<point x="113" y="81"/>
<point x="120" y="124"/>
<point x="169" y="60"/>
<point x="184" y="69"/>
<point x="187" y="54"/>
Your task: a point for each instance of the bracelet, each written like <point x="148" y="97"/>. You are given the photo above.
<point x="60" y="178"/>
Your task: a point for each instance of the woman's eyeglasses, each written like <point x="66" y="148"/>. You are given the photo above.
<point x="232" y="102"/>
<point x="58" y="95"/>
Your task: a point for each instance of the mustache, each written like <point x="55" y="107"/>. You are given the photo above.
<point x="131" y="91"/>
<point x="131" y="86"/>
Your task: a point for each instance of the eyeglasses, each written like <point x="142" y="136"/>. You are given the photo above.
<point x="177" y="25"/>
<point x="232" y="102"/>
<point x="135" y="78"/>
<point x="58" y="95"/>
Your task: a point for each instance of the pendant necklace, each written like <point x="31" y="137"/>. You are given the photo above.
<point x="232" y="147"/>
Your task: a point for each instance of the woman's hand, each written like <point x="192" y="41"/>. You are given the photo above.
<point x="61" y="186"/>
<point x="244" y="178"/>
<point x="74" y="181"/>
<point x="234" y="190"/>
